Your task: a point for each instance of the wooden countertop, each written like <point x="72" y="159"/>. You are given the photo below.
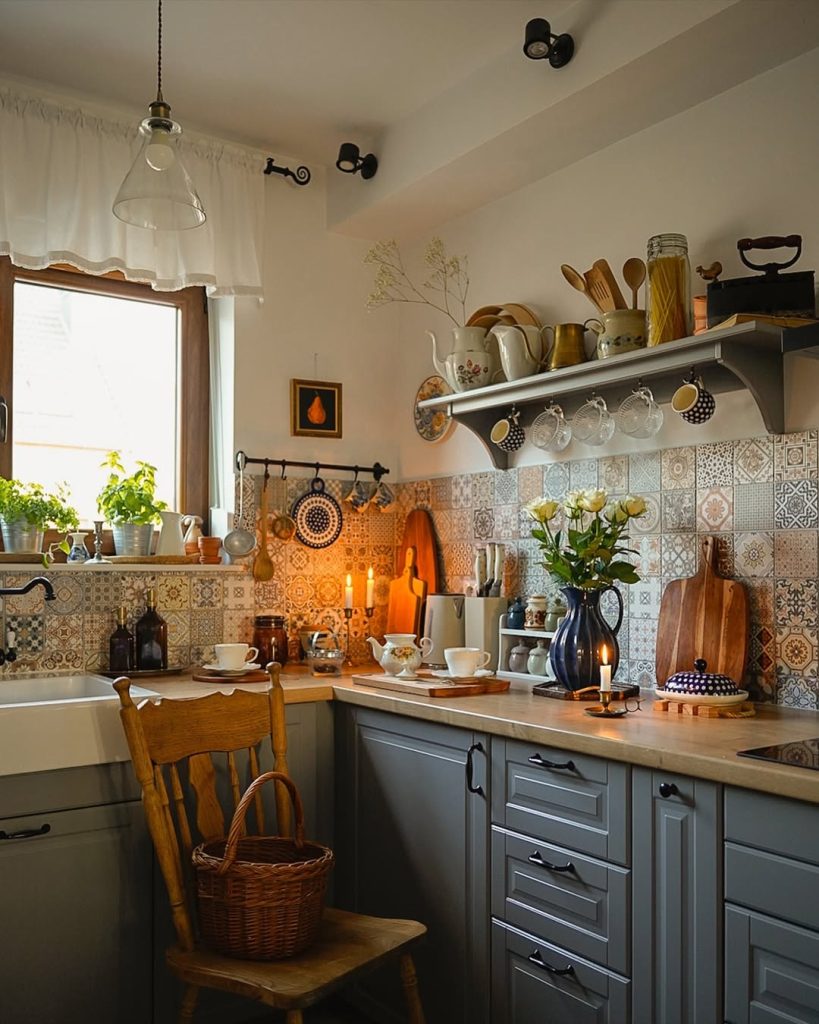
<point x="706" y="748"/>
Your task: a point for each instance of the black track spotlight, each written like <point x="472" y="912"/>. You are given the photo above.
<point x="350" y="160"/>
<point x="541" y="44"/>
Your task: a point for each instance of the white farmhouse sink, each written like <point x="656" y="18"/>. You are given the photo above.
<point x="53" y="722"/>
<point x="59" y="689"/>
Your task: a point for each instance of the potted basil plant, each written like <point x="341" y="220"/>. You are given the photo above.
<point x="27" y="510"/>
<point x="129" y="504"/>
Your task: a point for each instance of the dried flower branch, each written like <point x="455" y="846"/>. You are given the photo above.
<point x="448" y="275"/>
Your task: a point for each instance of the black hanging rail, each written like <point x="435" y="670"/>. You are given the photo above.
<point x="301" y="175"/>
<point x="243" y="460"/>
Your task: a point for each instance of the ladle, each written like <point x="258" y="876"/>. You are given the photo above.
<point x="263" y="565"/>
<point x="634" y="273"/>
<point x="240" y="542"/>
<point x="579" y="282"/>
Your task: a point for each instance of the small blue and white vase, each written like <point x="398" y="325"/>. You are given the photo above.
<point x="78" y="553"/>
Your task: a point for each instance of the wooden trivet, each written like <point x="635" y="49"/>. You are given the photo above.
<point x="201" y="675"/>
<point x="677" y="707"/>
<point x="619" y="691"/>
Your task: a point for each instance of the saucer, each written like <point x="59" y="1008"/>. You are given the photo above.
<point x="227" y="672"/>
<point x="444" y="673"/>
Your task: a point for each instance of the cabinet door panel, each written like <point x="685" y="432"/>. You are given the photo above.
<point x="536" y="983"/>
<point x="677" y="890"/>
<point x="771" y="970"/>
<point x="414" y="844"/>
<point x="76" y="918"/>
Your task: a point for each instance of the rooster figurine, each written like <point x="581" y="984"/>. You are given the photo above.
<point x="710" y="273"/>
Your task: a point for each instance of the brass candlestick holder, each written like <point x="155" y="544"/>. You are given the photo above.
<point x="605" y="710"/>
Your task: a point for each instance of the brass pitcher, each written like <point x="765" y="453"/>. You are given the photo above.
<point x="568" y="347"/>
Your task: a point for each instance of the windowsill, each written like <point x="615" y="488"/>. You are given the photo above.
<point x="36" y="569"/>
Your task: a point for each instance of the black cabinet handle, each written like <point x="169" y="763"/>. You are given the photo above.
<point x="535" y="858"/>
<point x="470" y="769"/>
<point x="26" y="833"/>
<point x="668" y="789"/>
<point x="541" y="762"/>
<point x="536" y="959"/>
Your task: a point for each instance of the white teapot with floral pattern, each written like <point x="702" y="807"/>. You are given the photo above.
<point x="399" y="655"/>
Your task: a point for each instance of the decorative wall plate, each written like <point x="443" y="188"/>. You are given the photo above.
<point x="318" y="517"/>
<point x="432" y="424"/>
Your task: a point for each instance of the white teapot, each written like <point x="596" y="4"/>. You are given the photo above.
<point x="399" y="655"/>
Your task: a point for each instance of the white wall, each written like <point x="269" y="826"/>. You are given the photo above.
<point x="313" y="324"/>
<point x="742" y="164"/>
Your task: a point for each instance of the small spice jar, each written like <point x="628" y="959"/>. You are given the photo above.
<point x="668" y="303"/>
<point x="535" y="612"/>
<point x="519" y="657"/>
<point x="270" y="637"/>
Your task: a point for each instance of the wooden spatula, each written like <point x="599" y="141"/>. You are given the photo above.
<point x="604" y="287"/>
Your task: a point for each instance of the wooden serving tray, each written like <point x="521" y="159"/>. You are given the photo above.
<point x="143" y="673"/>
<point x="431" y="687"/>
<point x="23" y="558"/>
<point x="201" y="675"/>
<point x="677" y="707"/>
<point x="154" y="559"/>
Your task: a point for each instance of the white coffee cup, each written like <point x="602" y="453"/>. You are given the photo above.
<point x="234" y="656"/>
<point x="465" y="661"/>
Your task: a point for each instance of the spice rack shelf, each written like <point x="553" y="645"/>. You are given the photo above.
<point x="506" y="642"/>
<point x="747" y="356"/>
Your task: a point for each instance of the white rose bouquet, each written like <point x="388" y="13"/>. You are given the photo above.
<point x="583" y="552"/>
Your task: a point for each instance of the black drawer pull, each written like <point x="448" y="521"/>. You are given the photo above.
<point x="536" y="959"/>
<point x="668" y="789"/>
<point x="541" y="762"/>
<point x="470" y="769"/>
<point x="535" y="858"/>
<point x="26" y="833"/>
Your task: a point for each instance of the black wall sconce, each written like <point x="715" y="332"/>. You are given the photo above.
<point x="541" y="44"/>
<point x="350" y="160"/>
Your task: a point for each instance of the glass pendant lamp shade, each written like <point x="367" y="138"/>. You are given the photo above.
<point x="158" y="192"/>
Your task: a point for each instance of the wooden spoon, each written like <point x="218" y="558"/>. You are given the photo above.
<point x="579" y="282"/>
<point x="262" y="564"/>
<point x="634" y="273"/>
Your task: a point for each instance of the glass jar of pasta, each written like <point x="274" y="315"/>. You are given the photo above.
<point x="669" y="289"/>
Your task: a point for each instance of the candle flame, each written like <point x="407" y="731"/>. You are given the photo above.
<point x="349" y="580"/>
<point x="369" y="573"/>
<point x="604" y="654"/>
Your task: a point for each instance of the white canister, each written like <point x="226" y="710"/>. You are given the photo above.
<point x="535" y="617"/>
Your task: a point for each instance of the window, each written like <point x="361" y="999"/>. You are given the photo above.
<point x="91" y="364"/>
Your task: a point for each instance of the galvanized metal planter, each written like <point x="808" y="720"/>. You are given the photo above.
<point x="20" y="537"/>
<point x="132" y="538"/>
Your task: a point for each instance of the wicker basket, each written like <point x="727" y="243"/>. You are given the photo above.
<point x="261" y="897"/>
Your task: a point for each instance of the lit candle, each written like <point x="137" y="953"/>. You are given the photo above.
<point x="370" y="602"/>
<point x="348" y="592"/>
<point x="605" y="671"/>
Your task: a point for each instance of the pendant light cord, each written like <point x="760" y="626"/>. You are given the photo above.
<point x="159" y="50"/>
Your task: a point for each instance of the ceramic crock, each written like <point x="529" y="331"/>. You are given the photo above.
<point x="621" y="330"/>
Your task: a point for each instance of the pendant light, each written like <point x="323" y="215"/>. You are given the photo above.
<point x="157" y="192"/>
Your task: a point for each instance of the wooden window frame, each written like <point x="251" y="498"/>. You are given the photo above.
<point x="193" y="456"/>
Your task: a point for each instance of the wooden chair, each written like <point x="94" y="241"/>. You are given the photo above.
<point x="189" y="734"/>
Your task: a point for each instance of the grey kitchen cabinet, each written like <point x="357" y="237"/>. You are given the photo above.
<point x="534" y="982"/>
<point x="76" y="909"/>
<point x="772" y="910"/>
<point x="677" y="899"/>
<point x="412" y="841"/>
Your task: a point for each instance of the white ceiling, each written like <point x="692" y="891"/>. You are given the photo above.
<point x="295" y="76"/>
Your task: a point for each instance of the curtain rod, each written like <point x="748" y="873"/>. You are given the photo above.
<point x="301" y="175"/>
<point x="243" y="460"/>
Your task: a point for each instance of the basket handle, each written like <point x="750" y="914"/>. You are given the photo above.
<point x="238" y="822"/>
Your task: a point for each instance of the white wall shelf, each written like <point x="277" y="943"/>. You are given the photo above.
<point x="748" y="356"/>
<point x="507" y="640"/>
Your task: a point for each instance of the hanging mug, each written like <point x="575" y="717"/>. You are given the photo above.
<point x="507" y="433"/>
<point x="693" y="402"/>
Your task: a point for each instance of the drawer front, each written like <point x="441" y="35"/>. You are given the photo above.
<point x="534" y="982"/>
<point x="585" y="909"/>
<point x="775" y="885"/>
<point x="771" y="970"/>
<point x="564" y="798"/>
<point x="786" y="827"/>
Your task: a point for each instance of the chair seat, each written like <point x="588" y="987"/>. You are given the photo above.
<point x="348" y="945"/>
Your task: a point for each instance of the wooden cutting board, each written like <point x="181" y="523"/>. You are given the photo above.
<point x="434" y="687"/>
<point x="419" y="533"/>
<point x="703" y="616"/>
<point x="407" y="596"/>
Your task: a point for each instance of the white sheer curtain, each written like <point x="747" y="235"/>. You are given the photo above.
<point x="60" y="169"/>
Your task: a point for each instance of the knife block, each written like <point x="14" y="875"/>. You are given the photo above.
<point x="481" y="618"/>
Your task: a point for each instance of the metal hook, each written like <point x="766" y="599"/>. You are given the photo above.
<point x="241" y="461"/>
<point x="284" y="467"/>
<point x="318" y="467"/>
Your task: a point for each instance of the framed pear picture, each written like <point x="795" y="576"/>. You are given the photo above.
<point x="315" y="408"/>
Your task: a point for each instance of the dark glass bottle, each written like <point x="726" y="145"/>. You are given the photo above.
<point x="151" y="637"/>
<point x="121" y="646"/>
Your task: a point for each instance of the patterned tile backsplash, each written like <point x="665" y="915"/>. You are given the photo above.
<point x="759" y="497"/>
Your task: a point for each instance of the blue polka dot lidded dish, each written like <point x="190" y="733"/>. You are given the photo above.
<point x="701" y="683"/>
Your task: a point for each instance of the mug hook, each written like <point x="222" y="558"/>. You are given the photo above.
<point x="284" y="467"/>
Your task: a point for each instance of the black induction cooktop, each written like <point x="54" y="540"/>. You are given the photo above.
<point x="799" y="754"/>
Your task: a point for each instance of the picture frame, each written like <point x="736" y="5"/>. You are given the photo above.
<point x="315" y="408"/>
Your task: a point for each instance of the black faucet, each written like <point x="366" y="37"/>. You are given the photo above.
<point x="38" y="581"/>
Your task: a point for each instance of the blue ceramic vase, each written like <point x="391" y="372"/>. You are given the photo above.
<point x="575" y="649"/>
